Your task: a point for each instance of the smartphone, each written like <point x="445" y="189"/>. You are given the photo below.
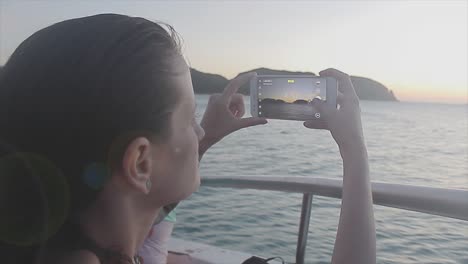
<point x="289" y="97"/>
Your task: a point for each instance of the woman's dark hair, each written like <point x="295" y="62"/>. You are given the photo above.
<point x="72" y="96"/>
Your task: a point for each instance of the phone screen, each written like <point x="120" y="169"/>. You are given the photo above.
<point x="290" y="98"/>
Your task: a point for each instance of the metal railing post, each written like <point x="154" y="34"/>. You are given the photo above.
<point x="304" y="227"/>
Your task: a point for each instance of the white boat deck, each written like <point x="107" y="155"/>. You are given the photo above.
<point x="205" y="254"/>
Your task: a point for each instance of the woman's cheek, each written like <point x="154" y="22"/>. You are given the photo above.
<point x="186" y="146"/>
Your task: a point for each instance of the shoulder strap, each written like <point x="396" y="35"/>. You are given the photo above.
<point x="104" y="255"/>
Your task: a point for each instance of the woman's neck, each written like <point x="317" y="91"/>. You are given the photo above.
<point x="116" y="223"/>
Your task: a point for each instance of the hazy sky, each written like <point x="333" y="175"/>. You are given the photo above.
<point x="416" y="48"/>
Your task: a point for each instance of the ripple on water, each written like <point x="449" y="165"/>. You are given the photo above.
<point x="405" y="145"/>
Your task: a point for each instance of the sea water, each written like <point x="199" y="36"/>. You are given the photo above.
<point x="408" y="143"/>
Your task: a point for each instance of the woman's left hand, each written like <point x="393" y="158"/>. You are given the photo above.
<point x="224" y="113"/>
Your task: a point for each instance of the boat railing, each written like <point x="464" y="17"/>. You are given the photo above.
<point x="452" y="203"/>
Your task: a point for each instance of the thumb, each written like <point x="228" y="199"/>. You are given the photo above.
<point x="251" y="121"/>
<point x="316" y="124"/>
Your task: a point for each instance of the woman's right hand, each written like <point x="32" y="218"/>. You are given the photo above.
<point x="344" y="123"/>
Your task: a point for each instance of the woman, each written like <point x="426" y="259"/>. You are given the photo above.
<point x="98" y="134"/>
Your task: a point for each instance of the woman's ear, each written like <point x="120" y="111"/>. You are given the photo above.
<point x="137" y="164"/>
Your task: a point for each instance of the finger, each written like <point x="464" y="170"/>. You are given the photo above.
<point x="340" y="98"/>
<point x="236" y="106"/>
<point x="236" y="83"/>
<point x="316" y="124"/>
<point x="250" y="121"/>
<point x="344" y="81"/>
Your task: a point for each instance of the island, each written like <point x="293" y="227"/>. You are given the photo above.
<point x="366" y="89"/>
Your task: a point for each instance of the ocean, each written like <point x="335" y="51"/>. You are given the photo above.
<point x="409" y="143"/>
